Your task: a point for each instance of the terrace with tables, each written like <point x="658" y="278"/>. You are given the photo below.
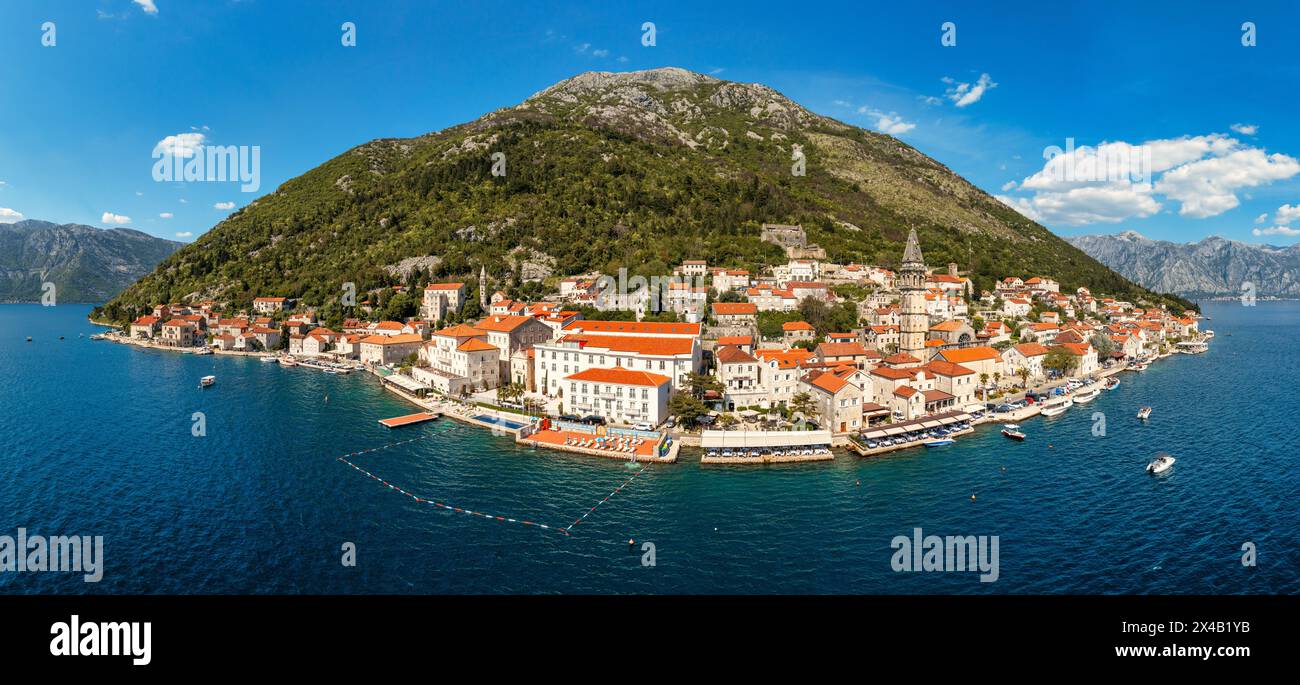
<point x="765" y="447"/>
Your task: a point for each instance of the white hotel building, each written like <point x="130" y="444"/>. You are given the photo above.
<point x="619" y="395"/>
<point x="665" y="349"/>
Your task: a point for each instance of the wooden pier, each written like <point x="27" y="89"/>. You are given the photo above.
<point x="409" y="419"/>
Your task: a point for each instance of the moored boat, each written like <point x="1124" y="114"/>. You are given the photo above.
<point x="1012" y="431"/>
<point x="269" y="360"/>
<point x="940" y="442"/>
<point x="1056" y="406"/>
<point x="1087" y="396"/>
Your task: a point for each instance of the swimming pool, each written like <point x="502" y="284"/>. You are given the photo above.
<point x="512" y="425"/>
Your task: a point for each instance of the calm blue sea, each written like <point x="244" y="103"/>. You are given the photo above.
<point x="95" y="439"/>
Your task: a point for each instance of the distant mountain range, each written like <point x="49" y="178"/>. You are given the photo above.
<point x="85" y="264"/>
<point x="1209" y="268"/>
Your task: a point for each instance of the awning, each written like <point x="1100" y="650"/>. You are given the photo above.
<point x="757" y="439"/>
<point x="895" y="430"/>
<point x="974" y="408"/>
<point x="931" y="424"/>
<point x="406" y="382"/>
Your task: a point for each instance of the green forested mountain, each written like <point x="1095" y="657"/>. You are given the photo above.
<point x="602" y="171"/>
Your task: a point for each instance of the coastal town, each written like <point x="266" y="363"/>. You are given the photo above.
<point x="779" y="366"/>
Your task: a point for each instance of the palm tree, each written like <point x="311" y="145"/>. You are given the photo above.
<point x="1023" y="372"/>
<point x="984" y="385"/>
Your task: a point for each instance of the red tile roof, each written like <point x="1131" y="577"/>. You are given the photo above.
<point x="620" y="376"/>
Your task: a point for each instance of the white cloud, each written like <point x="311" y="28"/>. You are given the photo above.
<point x="111" y="218"/>
<point x="180" y="145"/>
<point x="1245" y="129"/>
<point x="147" y="5"/>
<point x="224" y="205"/>
<point x="166" y="215"/>
<point x="930" y="100"/>
<point x="889" y="123"/>
<point x="1009" y="185"/>
<point x="1286" y="214"/>
<point x="1207" y="187"/>
<point x="184" y="234"/>
<point x="581" y="48"/>
<point x="964" y="94"/>
<point x="622" y="59"/>
<point x="1277" y="230"/>
<point x="600" y="53"/>
<point x="1108" y="204"/>
<point x="1261" y="218"/>
<point x="1117" y="180"/>
<point x="9" y="216"/>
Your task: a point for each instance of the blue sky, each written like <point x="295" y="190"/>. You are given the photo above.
<point x="83" y="117"/>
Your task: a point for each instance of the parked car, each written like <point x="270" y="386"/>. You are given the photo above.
<point x="643" y="426"/>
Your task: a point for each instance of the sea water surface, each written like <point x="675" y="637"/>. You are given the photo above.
<point x="96" y="439"/>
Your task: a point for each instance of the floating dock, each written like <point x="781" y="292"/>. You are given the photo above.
<point x="409" y="419"/>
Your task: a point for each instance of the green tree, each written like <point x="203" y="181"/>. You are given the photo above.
<point x="1103" y="344"/>
<point x="803" y="404"/>
<point x="686" y="407"/>
<point x="700" y="383"/>
<point x="1060" y="360"/>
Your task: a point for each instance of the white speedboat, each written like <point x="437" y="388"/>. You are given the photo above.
<point x="269" y="360"/>
<point x="1144" y="413"/>
<point x="1012" y="431"/>
<point x="1160" y="463"/>
<point x="207" y="381"/>
<point x="1209" y="333"/>
<point x="1056" y="406"/>
<point x="1111" y="383"/>
<point x="1086" y="397"/>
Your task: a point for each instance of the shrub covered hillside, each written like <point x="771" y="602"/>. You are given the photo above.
<point x="606" y="170"/>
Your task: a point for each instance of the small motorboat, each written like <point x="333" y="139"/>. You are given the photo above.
<point x="1086" y="397"/>
<point x="207" y="381"/>
<point x="1012" y="431"/>
<point x="1144" y="413"/>
<point x="203" y="350"/>
<point x="269" y="360"/>
<point x="29" y="338"/>
<point x="1160" y="463"/>
<point x="1209" y="333"/>
<point x="1111" y="384"/>
<point x="942" y="442"/>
